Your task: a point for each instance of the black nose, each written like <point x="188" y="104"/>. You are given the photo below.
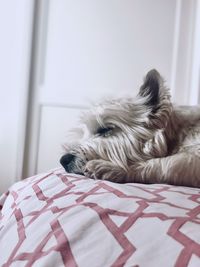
<point x="67" y="161"/>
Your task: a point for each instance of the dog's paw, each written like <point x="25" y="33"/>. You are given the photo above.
<point x="104" y="170"/>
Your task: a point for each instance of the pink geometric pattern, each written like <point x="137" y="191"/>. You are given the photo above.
<point x="59" y="219"/>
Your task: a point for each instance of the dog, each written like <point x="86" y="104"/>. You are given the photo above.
<point x="145" y="139"/>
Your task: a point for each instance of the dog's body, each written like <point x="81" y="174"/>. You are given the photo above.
<point x="144" y="139"/>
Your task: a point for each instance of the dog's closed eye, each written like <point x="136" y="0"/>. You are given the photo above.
<point x="104" y="131"/>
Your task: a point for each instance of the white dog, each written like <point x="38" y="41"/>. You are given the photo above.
<point x="143" y="139"/>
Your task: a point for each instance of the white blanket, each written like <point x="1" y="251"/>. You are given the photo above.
<point x="58" y="219"/>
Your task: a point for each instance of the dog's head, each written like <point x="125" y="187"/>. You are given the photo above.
<point x="124" y="131"/>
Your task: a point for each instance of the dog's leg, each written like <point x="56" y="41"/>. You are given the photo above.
<point x="179" y="169"/>
<point x="105" y="170"/>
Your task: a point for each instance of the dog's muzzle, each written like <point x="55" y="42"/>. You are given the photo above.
<point x="72" y="164"/>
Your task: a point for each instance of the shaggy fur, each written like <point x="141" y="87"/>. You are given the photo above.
<point x="144" y="139"/>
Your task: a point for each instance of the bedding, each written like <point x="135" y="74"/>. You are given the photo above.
<point x="59" y="219"/>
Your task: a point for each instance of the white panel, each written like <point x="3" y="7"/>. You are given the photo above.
<point x="101" y="47"/>
<point x="15" y="44"/>
<point x="187" y="58"/>
<point x="55" y="122"/>
<point x="194" y="93"/>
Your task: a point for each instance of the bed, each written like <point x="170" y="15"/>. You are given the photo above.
<point x="59" y="219"/>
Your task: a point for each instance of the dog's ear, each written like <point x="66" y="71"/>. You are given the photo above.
<point x="150" y="88"/>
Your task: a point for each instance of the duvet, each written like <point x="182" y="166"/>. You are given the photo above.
<point x="58" y="219"/>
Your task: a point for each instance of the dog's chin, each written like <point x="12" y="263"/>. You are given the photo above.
<point x="77" y="172"/>
<point x="73" y="169"/>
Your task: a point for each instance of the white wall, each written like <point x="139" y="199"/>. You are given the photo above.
<point x="104" y="46"/>
<point x="186" y="60"/>
<point x="15" y="36"/>
<point x="97" y="47"/>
